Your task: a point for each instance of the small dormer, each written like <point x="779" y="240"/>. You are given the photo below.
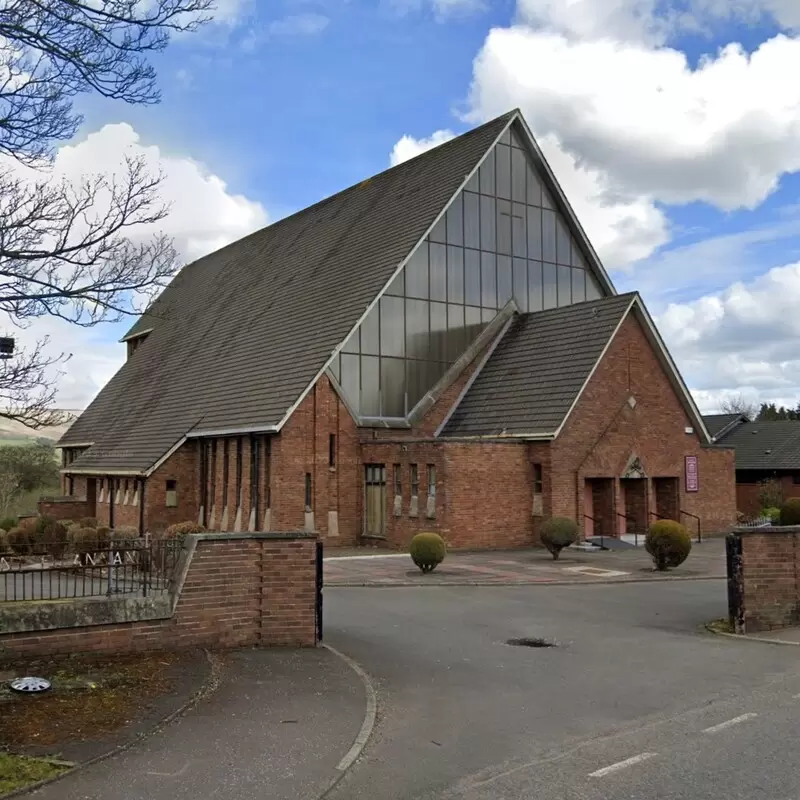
<point x="134" y="342"/>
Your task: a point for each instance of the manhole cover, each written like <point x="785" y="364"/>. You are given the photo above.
<point x="30" y="685"/>
<point x="530" y="642"/>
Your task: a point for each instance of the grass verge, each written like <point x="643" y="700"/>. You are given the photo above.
<point x="17" y="772"/>
<point x="720" y="626"/>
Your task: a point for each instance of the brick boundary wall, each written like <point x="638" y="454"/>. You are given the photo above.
<point x="764" y="578"/>
<point x="232" y="590"/>
<point x="64" y="508"/>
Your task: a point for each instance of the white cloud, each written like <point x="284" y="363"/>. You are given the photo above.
<point x="409" y="147"/>
<point x="651" y="125"/>
<point x="204" y="216"/>
<point x="306" y="24"/>
<point x="741" y="340"/>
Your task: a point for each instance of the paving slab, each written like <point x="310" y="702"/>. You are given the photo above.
<point x="519" y="567"/>
<point x="277" y="728"/>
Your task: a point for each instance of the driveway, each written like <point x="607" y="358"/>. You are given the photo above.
<point x="635" y="701"/>
<point x="514" y="567"/>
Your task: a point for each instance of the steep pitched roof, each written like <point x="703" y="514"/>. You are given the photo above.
<point x="241" y="334"/>
<point x="534" y="377"/>
<point x="772" y="445"/>
<point x="720" y="424"/>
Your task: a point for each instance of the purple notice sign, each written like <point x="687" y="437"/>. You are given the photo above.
<point x="692" y="482"/>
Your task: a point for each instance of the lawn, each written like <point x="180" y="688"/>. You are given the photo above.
<point x="17" y="772"/>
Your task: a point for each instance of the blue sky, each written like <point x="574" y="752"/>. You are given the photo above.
<point x="679" y="155"/>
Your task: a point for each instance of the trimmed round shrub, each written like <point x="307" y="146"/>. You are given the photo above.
<point x="49" y="538"/>
<point x="86" y="541"/>
<point x="790" y="512"/>
<point x="29" y="524"/>
<point x="20" y="541"/>
<point x="668" y="543"/>
<point x="181" y="529"/>
<point x="124" y="533"/>
<point x="558" y="533"/>
<point x="427" y="551"/>
<point x="68" y="523"/>
<point x="88" y="522"/>
<point x="7" y="523"/>
<point x="774" y="515"/>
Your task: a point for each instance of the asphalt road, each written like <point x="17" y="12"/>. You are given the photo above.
<point x="636" y="701"/>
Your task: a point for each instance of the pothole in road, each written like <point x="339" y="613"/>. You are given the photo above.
<point x="527" y="641"/>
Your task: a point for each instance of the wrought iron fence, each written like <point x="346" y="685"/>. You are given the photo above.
<point x="58" y="569"/>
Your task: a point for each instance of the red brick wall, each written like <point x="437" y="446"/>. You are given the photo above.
<point x="183" y="467"/>
<point x="603" y="433"/>
<point x="63" y="508"/>
<point x="488" y="494"/>
<point x="237" y="592"/>
<point x="769" y="579"/>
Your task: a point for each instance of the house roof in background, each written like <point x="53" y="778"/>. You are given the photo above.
<point x="536" y="374"/>
<point x="720" y="424"/>
<point x="241" y="334"/>
<point x="772" y="445"/>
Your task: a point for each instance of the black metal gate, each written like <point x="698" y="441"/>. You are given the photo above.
<point x="318" y="603"/>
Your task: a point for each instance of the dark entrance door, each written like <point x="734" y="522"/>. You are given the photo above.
<point x="635" y="493"/>
<point x="667" y="502"/>
<point x="602" y="493"/>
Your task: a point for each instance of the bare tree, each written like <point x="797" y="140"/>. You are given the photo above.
<point x="81" y="252"/>
<point x="738" y="405"/>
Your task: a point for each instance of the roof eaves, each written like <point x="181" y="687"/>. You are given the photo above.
<point x="510" y="118"/>
<point x="131" y="335"/>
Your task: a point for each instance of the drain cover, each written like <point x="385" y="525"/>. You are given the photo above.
<point x="530" y="642"/>
<point x="30" y="685"/>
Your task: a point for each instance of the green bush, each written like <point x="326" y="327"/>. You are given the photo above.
<point x="68" y="523"/>
<point x="558" y="533"/>
<point x="20" y="541"/>
<point x="790" y="512"/>
<point x="427" y="551"/>
<point x="7" y="523"/>
<point x="181" y="529"/>
<point x="84" y="540"/>
<point x="123" y="533"/>
<point x="5" y="547"/>
<point x="49" y="537"/>
<point x="669" y="544"/>
<point x="88" y="522"/>
<point x="774" y="515"/>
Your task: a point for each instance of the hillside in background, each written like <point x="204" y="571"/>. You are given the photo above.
<point x="12" y="432"/>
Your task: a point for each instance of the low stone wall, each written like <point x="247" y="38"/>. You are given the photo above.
<point x="231" y="590"/>
<point x="65" y="507"/>
<point x="763" y="580"/>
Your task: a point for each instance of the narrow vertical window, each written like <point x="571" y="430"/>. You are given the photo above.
<point x="414" y="480"/>
<point x="308" y="491"/>
<point x="398" y="480"/>
<point x="267" y="472"/>
<point x="239" y="472"/>
<point x="171" y="494"/>
<point x="70" y="485"/>
<point x="213" y="476"/>
<point x="430" y="511"/>
<point x="255" y="471"/>
<point x="332" y="450"/>
<point x="225" y="471"/>
<point x="538" y="491"/>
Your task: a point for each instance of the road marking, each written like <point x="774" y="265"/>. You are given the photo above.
<point x="729" y="723"/>
<point x="628" y="762"/>
<point x="366" y="558"/>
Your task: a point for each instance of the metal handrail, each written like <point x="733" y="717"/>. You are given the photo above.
<point x="697" y="519"/>
<point x="602" y="537"/>
<point x="628" y="518"/>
